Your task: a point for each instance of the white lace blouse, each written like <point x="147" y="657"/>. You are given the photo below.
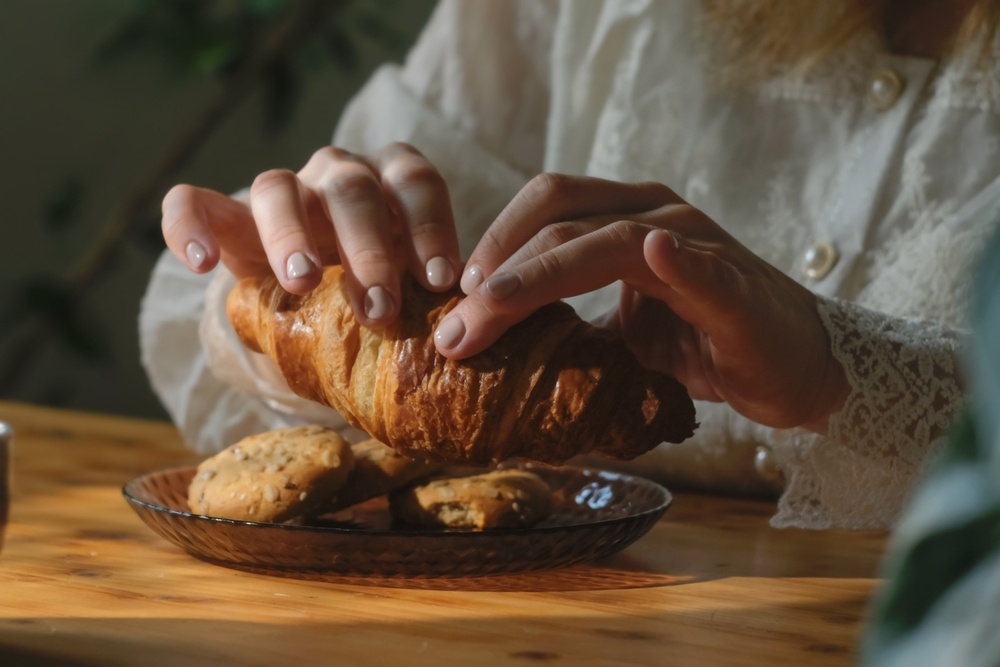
<point x="873" y="180"/>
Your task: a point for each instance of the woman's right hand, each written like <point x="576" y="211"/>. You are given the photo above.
<point x="378" y="215"/>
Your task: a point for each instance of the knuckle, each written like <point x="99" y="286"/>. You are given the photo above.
<point x="169" y="226"/>
<point x="399" y="148"/>
<point x="424" y="231"/>
<point x="351" y="183"/>
<point x="174" y="208"/>
<point x="555" y="235"/>
<point x="270" y="179"/>
<point x="671" y="215"/>
<point x="285" y="235"/>
<point x="413" y="174"/>
<point x="546" y="187"/>
<point x="181" y="193"/>
<point x="328" y="154"/>
<point x="490" y="246"/>
<point x="626" y="232"/>
<point x="369" y="259"/>
<point x="484" y="310"/>
<point x="657" y="190"/>
<point x="550" y="264"/>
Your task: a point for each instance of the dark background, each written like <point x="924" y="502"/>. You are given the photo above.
<point x="96" y="96"/>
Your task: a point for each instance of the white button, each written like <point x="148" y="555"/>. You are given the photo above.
<point x="765" y="464"/>
<point x="819" y="260"/>
<point x="885" y="88"/>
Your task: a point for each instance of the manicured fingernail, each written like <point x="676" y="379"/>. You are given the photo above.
<point x="299" y="265"/>
<point x="378" y="303"/>
<point x="502" y="285"/>
<point x="472" y="278"/>
<point x="195" y="254"/>
<point x="450" y="333"/>
<point x="440" y="272"/>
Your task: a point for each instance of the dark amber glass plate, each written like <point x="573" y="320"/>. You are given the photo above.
<point x="597" y="513"/>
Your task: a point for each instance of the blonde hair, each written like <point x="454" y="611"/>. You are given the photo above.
<point x="761" y="35"/>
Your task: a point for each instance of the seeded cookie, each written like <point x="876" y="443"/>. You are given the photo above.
<point x="272" y="476"/>
<point x="508" y="498"/>
<point x="378" y="469"/>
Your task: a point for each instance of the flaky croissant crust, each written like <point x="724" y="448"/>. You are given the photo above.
<point x="550" y="388"/>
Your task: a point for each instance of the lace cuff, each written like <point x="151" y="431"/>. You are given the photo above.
<point x="905" y="393"/>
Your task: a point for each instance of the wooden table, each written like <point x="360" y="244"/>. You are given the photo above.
<point x="84" y="582"/>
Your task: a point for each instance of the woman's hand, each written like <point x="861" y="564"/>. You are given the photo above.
<point x="696" y="303"/>
<point x="377" y="215"/>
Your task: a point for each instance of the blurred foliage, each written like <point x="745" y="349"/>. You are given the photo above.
<point x="64" y="207"/>
<point x="219" y="38"/>
<point x="244" y="46"/>
<point x="941" y="604"/>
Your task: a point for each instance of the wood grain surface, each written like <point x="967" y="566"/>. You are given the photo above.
<point x="84" y="582"/>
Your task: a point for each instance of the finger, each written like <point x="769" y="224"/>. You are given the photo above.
<point x="356" y="205"/>
<point x="552" y="198"/>
<point x="279" y="212"/>
<point x="705" y="288"/>
<point x="419" y="196"/>
<point x="552" y="237"/>
<point x="766" y="352"/>
<point x="663" y="341"/>
<point x="734" y="303"/>
<point x="673" y="216"/>
<point x="581" y="265"/>
<point x="200" y="226"/>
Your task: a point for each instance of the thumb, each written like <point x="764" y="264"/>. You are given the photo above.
<point x="699" y="284"/>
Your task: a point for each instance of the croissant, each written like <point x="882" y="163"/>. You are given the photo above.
<point x="552" y="387"/>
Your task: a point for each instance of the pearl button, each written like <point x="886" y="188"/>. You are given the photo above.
<point x="819" y="260"/>
<point x="885" y="88"/>
<point x="765" y="464"/>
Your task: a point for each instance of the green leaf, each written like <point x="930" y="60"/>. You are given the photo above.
<point x="984" y="357"/>
<point x="212" y="56"/>
<point x="935" y="564"/>
<point x="931" y="565"/>
<point x="963" y="445"/>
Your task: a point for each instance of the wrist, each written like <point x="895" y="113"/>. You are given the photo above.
<point x="834" y="389"/>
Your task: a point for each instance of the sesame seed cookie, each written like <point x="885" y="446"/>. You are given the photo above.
<point x="272" y="476"/>
<point x="508" y="498"/>
<point x="378" y="469"/>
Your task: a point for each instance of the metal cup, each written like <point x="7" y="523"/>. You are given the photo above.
<point x="6" y="433"/>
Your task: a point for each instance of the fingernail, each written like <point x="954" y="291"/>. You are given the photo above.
<point x="299" y="265"/>
<point x="471" y="279"/>
<point x="449" y="333"/>
<point x="378" y="303"/>
<point x="195" y="254"/>
<point x="440" y="272"/>
<point x="502" y="285"/>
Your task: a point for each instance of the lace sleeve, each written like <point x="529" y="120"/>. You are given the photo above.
<point x="905" y="393"/>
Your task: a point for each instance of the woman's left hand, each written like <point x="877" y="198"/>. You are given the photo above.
<point x="696" y="304"/>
